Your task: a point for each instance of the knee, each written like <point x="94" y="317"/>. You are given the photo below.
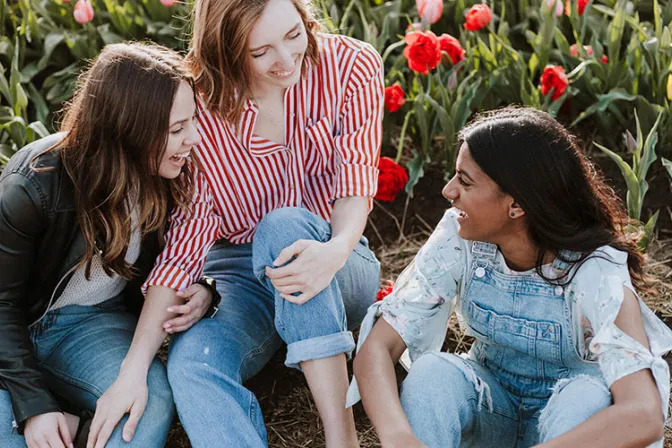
<point x="573" y="402"/>
<point x="432" y="388"/>
<point x="282" y="227"/>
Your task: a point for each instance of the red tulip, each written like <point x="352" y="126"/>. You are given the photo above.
<point x="574" y="50"/>
<point x="554" y="77"/>
<point x="478" y="17"/>
<point x="391" y="180"/>
<point x="422" y="51"/>
<point x="580" y="6"/>
<point x="451" y="46"/>
<point x="385" y="291"/>
<point x="604" y="59"/>
<point x="394" y="97"/>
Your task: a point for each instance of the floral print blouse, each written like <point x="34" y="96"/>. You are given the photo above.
<point x="427" y="291"/>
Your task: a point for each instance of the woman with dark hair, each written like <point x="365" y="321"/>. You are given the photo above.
<point x="82" y="217"/>
<point x="534" y="258"/>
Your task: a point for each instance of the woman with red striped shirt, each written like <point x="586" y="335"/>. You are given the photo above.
<point x="290" y="121"/>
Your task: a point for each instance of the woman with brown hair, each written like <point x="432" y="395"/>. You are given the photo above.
<point x="82" y="214"/>
<point x="291" y="124"/>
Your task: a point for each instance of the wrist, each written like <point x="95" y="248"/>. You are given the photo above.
<point x="134" y="368"/>
<point x="340" y="249"/>
<point x="210" y="284"/>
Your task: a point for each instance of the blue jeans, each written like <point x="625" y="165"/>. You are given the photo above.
<point x="455" y="402"/>
<point x="208" y="364"/>
<point x="79" y="349"/>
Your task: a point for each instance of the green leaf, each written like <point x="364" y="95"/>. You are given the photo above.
<point x="631" y="181"/>
<point x="650" y="225"/>
<point x="50" y="43"/>
<point x="649" y="150"/>
<point x="668" y="166"/>
<point x="615" y="30"/>
<point x="603" y="102"/>
<point x="4" y="87"/>
<point x="35" y="131"/>
<point x="415" y="172"/>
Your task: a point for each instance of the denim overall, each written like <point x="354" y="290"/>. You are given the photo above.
<point x="513" y="390"/>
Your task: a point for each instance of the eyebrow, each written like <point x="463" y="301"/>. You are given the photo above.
<point x="288" y="33"/>
<point x="465" y="174"/>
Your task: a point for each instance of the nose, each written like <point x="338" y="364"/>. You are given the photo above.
<point x="450" y="191"/>
<point x="286" y="61"/>
<point x="193" y="136"/>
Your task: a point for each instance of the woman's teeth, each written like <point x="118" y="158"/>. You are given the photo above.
<point x="179" y="157"/>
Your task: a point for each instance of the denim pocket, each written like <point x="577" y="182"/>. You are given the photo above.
<point x="541" y="339"/>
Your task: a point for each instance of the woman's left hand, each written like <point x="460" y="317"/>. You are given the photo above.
<point x="198" y="299"/>
<point x="312" y="270"/>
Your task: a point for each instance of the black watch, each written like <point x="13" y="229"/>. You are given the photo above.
<point x="210" y="283"/>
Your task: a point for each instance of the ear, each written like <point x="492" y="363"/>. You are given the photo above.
<point x="515" y="210"/>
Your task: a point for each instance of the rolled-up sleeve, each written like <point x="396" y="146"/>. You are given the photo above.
<point x="192" y="232"/>
<point x="358" y="142"/>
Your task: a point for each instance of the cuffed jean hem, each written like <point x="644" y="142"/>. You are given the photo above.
<point x="319" y="347"/>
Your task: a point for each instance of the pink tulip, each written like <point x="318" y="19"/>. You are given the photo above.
<point x="168" y="3"/>
<point x="557" y="4"/>
<point x="83" y="11"/>
<point x="429" y="10"/>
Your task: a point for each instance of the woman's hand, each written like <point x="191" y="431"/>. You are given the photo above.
<point x="48" y="430"/>
<point x="128" y="394"/>
<point x="198" y="299"/>
<point x="312" y="270"/>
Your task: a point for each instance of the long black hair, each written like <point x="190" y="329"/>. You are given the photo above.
<point x="570" y="210"/>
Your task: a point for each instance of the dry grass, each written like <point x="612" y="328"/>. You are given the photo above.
<point x="290" y="415"/>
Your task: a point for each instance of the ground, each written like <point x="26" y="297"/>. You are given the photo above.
<point x="396" y="231"/>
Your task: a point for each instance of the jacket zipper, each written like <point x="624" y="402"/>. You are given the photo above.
<point x="51" y="300"/>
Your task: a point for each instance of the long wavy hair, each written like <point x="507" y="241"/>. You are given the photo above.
<point x="218" y="55"/>
<point x="116" y="129"/>
<point x="568" y="205"/>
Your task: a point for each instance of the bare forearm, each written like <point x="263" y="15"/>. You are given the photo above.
<point x="374" y="370"/>
<point x="149" y="333"/>
<point x="348" y="221"/>
<point x="615" y="426"/>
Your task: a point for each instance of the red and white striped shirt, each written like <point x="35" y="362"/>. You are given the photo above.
<point x="333" y="127"/>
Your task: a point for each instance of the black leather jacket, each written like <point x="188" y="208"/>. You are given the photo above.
<point x="40" y="246"/>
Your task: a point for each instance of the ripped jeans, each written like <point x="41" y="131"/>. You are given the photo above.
<point x="451" y="401"/>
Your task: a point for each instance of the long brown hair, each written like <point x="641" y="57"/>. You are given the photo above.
<point x="218" y="55"/>
<point x="567" y="203"/>
<point x="117" y="130"/>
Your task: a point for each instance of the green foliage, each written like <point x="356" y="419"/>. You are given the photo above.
<point x="643" y="155"/>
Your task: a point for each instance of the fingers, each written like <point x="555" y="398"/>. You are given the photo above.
<point x="182" y="309"/>
<point x="132" y="423"/>
<point x="288" y="252"/>
<point x="300" y="299"/>
<point x="101" y="429"/>
<point x="288" y="290"/>
<point x="189" y="291"/>
<point x="181" y="323"/>
<point x="64" y="431"/>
